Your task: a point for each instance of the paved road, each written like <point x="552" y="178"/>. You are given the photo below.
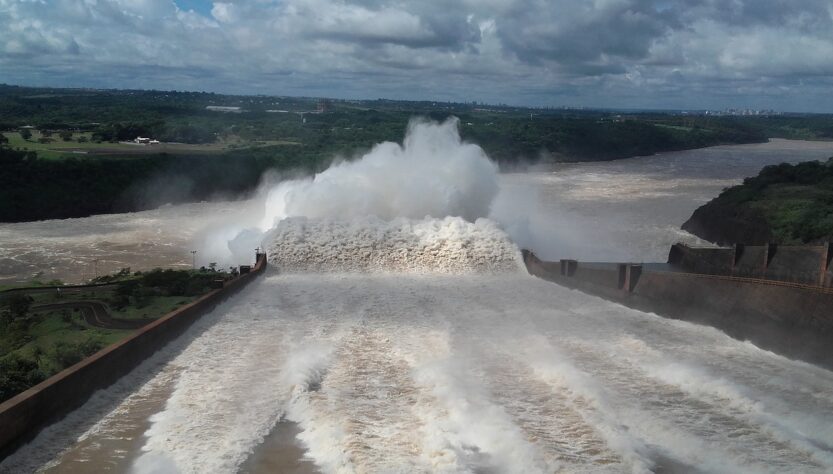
<point x="95" y="314"/>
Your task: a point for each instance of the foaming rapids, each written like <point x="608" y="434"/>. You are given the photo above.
<point x="416" y="207"/>
<point x="448" y="245"/>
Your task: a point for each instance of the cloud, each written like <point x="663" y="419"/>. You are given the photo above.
<point x="639" y="53"/>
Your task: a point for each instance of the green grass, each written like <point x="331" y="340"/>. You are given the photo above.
<point x="674" y="127"/>
<point x="58" y="148"/>
<point x="155" y="308"/>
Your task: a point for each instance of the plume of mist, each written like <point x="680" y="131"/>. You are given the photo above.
<point x="432" y="174"/>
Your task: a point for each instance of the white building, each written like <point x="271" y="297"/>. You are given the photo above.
<point x="220" y="108"/>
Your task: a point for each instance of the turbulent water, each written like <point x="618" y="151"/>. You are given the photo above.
<point x="487" y="373"/>
<point x="415" y="344"/>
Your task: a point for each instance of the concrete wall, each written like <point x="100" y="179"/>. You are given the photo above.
<point x="23" y="416"/>
<point x="712" y="261"/>
<point x="805" y="264"/>
<point x="793" y="320"/>
<point x="750" y="261"/>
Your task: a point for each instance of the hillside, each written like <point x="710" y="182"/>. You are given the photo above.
<point x="786" y="204"/>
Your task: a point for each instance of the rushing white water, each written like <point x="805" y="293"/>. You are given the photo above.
<point x="449" y="245"/>
<point x="490" y="372"/>
<point x="403" y="344"/>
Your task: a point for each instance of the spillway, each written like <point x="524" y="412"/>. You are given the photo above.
<point x="416" y="372"/>
<point x="421" y="345"/>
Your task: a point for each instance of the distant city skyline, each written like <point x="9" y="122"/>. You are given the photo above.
<point x="619" y="54"/>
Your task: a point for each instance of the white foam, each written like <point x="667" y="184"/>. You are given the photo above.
<point x="449" y="245"/>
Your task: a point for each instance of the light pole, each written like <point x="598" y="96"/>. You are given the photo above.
<point x="193" y="259"/>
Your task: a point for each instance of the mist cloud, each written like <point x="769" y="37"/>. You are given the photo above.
<point x="433" y="174"/>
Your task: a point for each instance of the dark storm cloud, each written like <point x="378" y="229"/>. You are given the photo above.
<point x="758" y="53"/>
<point x="583" y="33"/>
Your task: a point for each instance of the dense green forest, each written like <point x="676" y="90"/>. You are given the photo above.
<point x="77" y="162"/>
<point x="786" y="204"/>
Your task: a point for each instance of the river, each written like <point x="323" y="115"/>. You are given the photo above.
<point x="449" y="371"/>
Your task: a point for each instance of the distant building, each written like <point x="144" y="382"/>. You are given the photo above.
<point x="222" y="108"/>
<point x="142" y="140"/>
<point x="324" y="105"/>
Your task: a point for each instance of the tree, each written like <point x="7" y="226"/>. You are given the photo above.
<point x="25" y="134"/>
<point x="18" y="304"/>
<point x="66" y="135"/>
<point x="3" y="140"/>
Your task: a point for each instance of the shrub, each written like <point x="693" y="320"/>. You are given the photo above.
<point x="66" y="354"/>
<point x="17" y="374"/>
<point x="17" y="304"/>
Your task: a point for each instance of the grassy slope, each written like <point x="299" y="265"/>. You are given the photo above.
<point x="59" y="148"/>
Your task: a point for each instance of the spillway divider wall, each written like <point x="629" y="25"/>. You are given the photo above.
<point x="24" y="415"/>
<point x="792" y="319"/>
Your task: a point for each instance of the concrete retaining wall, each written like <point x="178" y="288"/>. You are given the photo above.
<point x="712" y="261"/>
<point x="790" y="319"/>
<point x="800" y="264"/>
<point x="750" y="261"/>
<point x="23" y="416"/>
<point x="805" y="264"/>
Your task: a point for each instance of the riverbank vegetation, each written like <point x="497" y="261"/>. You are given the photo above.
<point x="66" y="152"/>
<point x="45" y="330"/>
<point x="786" y="204"/>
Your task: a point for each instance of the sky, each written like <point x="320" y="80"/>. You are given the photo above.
<point x="671" y="54"/>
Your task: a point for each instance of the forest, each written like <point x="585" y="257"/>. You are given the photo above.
<point x="79" y="162"/>
<point x="784" y="204"/>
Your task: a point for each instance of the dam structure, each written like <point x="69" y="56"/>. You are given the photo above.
<point x="397" y="328"/>
<point x="778" y="297"/>
<point x="443" y="355"/>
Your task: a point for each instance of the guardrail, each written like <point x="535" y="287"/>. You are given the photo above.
<point x="757" y="281"/>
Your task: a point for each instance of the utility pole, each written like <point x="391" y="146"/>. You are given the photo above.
<point x="193" y="259"/>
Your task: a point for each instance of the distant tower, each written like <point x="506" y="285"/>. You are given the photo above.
<point x="323" y="105"/>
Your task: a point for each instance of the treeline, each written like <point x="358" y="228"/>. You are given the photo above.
<point x="36" y="189"/>
<point x="33" y="188"/>
<point x="159" y="130"/>
<point x="786" y="204"/>
<point x="558" y="139"/>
